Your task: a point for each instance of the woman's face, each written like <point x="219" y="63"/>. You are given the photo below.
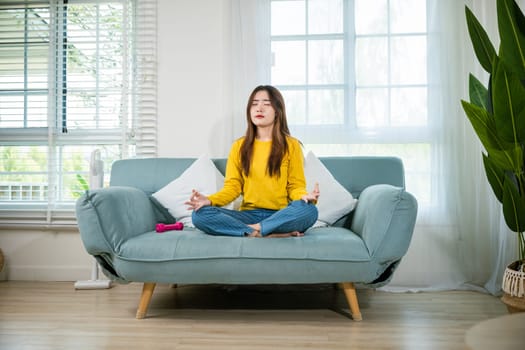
<point x="262" y="112"/>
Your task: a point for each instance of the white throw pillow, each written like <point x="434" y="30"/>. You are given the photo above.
<point x="335" y="201"/>
<point x="201" y="175"/>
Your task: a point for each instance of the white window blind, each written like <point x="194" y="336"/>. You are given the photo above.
<point x="74" y="76"/>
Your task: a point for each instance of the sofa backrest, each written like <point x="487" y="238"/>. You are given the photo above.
<point x="354" y="173"/>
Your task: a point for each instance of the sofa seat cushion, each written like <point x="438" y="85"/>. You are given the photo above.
<point x="320" y="244"/>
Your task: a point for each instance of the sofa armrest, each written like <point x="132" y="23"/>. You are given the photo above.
<point x="385" y="217"/>
<point x="108" y="217"/>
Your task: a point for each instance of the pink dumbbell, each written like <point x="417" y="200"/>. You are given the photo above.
<point x="168" y="227"/>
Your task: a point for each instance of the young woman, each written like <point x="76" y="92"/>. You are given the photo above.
<point x="266" y="168"/>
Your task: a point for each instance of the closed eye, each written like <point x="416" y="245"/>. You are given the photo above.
<point x="265" y="102"/>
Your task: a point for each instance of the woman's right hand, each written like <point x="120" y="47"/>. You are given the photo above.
<point x="197" y="201"/>
<point x="312" y="196"/>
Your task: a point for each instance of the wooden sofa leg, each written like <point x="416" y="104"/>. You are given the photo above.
<point x="147" y="292"/>
<point x="351" y="298"/>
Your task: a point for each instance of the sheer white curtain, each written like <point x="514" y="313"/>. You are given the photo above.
<point x="460" y="240"/>
<point x="487" y="244"/>
<point x="453" y="242"/>
<point x="251" y="61"/>
<point x="479" y="243"/>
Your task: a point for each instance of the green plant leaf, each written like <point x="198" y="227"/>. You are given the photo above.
<point x="477" y="92"/>
<point x="490" y="107"/>
<point x="505" y="155"/>
<point x="508" y="159"/>
<point x="508" y="97"/>
<point x="511" y="26"/>
<point x="483" y="124"/>
<point x="483" y="48"/>
<point x="513" y="206"/>
<point x="495" y="176"/>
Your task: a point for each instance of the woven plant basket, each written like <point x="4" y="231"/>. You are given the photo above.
<point x="514" y="280"/>
<point x="513" y="286"/>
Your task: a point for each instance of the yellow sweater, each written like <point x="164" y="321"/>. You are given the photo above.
<point x="259" y="190"/>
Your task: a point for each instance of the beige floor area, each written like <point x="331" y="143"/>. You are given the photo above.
<point x="53" y="315"/>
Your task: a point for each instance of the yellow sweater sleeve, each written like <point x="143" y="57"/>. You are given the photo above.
<point x="259" y="190"/>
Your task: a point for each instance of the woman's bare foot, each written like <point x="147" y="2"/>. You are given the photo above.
<point x="256" y="227"/>
<point x="255" y="233"/>
<point x="256" y="230"/>
<point x="286" y="234"/>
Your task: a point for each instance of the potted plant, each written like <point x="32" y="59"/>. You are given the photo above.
<point x="497" y="114"/>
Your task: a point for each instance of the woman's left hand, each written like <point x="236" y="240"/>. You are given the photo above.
<point x="197" y="201"/>
<point x="312" y="196"/>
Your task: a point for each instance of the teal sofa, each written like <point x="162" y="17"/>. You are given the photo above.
<point x="117" y="227"/>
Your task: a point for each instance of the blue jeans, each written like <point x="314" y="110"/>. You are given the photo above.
<point x="297" y="216"/>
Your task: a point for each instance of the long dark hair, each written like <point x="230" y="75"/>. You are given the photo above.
<point x="279" y="133"/>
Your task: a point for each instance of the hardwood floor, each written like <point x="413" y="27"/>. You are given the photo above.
<point x="53" y="315"/>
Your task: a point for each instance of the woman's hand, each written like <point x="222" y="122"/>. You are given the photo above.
<point x="197" y="201"/>
<point x="312" y="196"/>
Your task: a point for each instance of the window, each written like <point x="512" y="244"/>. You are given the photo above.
<point x="75" y="76"/>
<point x="354" y="76"/>
<point x="308" y="63"/>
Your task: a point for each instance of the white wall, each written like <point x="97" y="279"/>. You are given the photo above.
<point x="194" y="106"/>
<point x="194" y="78"/>
<point x="44" y="256"/>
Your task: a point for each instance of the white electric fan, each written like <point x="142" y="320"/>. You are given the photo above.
<point x="96" y="180"/>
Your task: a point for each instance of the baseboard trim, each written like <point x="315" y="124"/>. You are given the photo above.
<point x="48" y="273"/>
